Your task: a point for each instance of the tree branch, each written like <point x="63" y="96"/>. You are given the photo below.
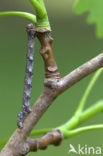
<point x="54" y="137"/>
<point x="54" y="86"/>
<point x="20" y="135"/>
<point x="81" y="72"/>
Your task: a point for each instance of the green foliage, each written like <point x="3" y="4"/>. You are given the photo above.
<point x="80" y="115"/>
<point x="95" y="15"/>
<point x="41" y="18"/>
<point x="95" y="9"/>
<point x="88" y="90"/>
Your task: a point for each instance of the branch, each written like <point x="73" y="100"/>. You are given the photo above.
<point x="34" y="133"/>
<point x="65" y="129"/>
<point x="20" y="135"/>
<point x="54" y="86"/>
<point x="81" y="72"/>
<point x="54" y="137"/>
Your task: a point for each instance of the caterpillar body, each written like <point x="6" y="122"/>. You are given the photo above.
<point x="28" y="77"/>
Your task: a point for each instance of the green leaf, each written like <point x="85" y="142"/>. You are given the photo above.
<point x="95" y="16"/>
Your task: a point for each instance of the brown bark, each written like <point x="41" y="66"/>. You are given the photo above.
<point x="80" y="72"/>
<point x="52" y="138"/>
<point x="51" y="69"/>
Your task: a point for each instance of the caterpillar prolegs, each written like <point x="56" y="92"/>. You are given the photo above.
<point x="28" y="77"/>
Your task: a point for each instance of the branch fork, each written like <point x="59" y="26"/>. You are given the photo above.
<point x="19" y="144"/>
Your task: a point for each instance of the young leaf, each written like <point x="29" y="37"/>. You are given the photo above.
<point x="95" y="16"/>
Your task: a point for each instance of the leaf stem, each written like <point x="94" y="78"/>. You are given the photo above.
<point x="40" y="11"/>
<point x="87" y="114"/>
<point x="41" y="14"/>
<point x="68" y="134"/>
<point x="87" y="91"/>
<point x="80" y="116"/>
<point x="29" y="16"/>
<point x="72" y="123"/>
<point x="40" y="132"/>
<point x="92" y="111"/>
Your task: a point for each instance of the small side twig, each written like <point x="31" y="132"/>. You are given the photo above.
<point x="54" y="137"/>
<point x="49" y="94"/>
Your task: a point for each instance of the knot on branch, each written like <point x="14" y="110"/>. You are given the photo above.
<point x="54" y="138"/>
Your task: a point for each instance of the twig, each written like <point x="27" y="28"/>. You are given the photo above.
<point x="54" y="86"/>
<point x="54" y="137"/>
<point x="81" y="72"/>
<point x="19" y="144"/>
<point x="34" y="133"/>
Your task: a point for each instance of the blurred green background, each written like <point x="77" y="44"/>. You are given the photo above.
<point x="74" y="43"/>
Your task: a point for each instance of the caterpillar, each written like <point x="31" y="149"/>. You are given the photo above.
<point x="25" y="110"/>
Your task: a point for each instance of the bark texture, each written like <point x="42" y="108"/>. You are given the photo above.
<point x="51" y="69"/>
